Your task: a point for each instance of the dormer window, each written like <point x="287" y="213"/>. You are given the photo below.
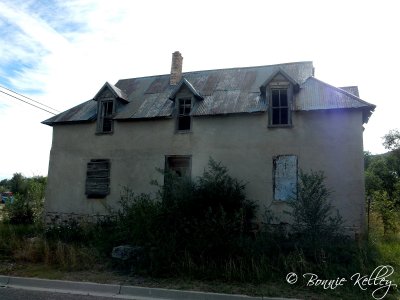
<point x="184" y="95"/>
<point x="184" y="119"/>
<point x="110" y="100"/>
<point x="105" y="122"/>
<point x="280" y="112"/>
<point x="279" y="90"/>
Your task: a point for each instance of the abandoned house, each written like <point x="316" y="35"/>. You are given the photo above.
<point x="263" y="123"/>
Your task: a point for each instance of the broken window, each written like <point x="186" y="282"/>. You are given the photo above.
<point x="184" y="118"/>
<point x="179" y="164"/>
<point x="105" y="117"/>
<point x="279" y="106"/>
<point x="285" y="177"/>
<point x="98" y="178"/>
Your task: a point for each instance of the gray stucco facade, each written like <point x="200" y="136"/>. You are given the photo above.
<point x="326" y="139"/>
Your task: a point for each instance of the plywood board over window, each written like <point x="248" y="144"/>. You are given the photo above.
<point x="98" y="178"/>
<point x="285" y="177"/>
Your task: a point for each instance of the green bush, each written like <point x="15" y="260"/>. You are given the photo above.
<point x="206" y="217"/>
<point x="203" y="220"/>
<point x="312" y="211"/>
<point x="27" y="207"/>
<point x="19" y="211"/>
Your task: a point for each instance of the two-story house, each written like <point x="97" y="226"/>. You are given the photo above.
<point x="264" y="123"/>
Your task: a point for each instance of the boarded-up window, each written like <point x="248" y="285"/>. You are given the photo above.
<point x="98" y="178"/>
<point x="285" y="177"/>
<point x="180" y="164"/>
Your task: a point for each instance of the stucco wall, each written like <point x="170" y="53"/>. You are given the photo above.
<point x="330" y="141"/>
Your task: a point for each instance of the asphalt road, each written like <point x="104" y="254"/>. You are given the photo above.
<point x="17" y="294"/>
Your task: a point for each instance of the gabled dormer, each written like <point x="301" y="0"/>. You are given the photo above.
<point x="278" y="90"/>
<point x="184" y="96"/>
<point x="109" y="101"/>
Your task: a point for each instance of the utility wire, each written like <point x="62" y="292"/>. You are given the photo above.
<point x="3" y="87"/>
<point x="27" y="102"/>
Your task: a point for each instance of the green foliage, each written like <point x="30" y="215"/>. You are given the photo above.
<point x="386" y="210"/>
<point x="381" y="174"/>
<point x="136" y="220"/>
<point x="27" y="206"/>
<point x="69" y="231"/>
<point x="201" y="220"/>
<point x="313" y="220"/>
<point x="206" y="217"/>
<point x="392" y="140"/>
<point x="19" y="211"/>
<point x="382" y="182"/>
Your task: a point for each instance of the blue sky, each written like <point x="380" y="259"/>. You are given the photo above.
<point x="62" y="52"/>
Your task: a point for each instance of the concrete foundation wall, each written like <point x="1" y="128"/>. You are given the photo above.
<point x="330" y="141"/>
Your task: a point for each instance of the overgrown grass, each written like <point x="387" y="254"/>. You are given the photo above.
<point x="26" y="245"/>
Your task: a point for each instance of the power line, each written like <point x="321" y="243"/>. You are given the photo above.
<point x="29" y="98"/>
<point x="27" y="102"/>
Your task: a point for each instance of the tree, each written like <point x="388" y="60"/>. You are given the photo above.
<point x="382" y="181"/>
<point x="392" y="140"/>
<point x="28" y="199"/>
<point x="18" y="184"/>
<point x="312" y="211"/>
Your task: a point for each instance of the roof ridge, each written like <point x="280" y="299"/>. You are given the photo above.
<point x="251" y="67"/>
<point x="220" y="69"/>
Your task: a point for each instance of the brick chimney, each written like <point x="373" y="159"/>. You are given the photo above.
<point x="176" y="68"/>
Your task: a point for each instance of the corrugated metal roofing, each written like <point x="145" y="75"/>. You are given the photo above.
<point x="86" y="111"/>
<point x="315" y="94"/>
<point x="351" y="89"/>
<point x="224" y="91"/>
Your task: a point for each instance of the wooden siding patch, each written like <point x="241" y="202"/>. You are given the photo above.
<point x="98" y="178"/>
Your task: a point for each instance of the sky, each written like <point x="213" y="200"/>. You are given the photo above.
<point x="60" y="53"/>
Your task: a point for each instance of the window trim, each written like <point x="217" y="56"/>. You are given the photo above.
<point x="102" y="117"/>
<point x="178" y="115"/>
<point x="289" y="94"/>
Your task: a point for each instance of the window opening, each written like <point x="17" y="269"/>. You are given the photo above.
<point x="280" y="107"/>
<point x="107" y="111"/>
<point x="180" y="165"/>
<point x="184" y="118"/>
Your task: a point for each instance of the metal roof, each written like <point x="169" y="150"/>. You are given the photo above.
<point x="189" y="86"/>
<point x="84" y="112"/>
<point x="223" y="91"/>
<point x="316" y="95"/>
<point x="351" y="89"/>
<point x="114" y="90"/>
